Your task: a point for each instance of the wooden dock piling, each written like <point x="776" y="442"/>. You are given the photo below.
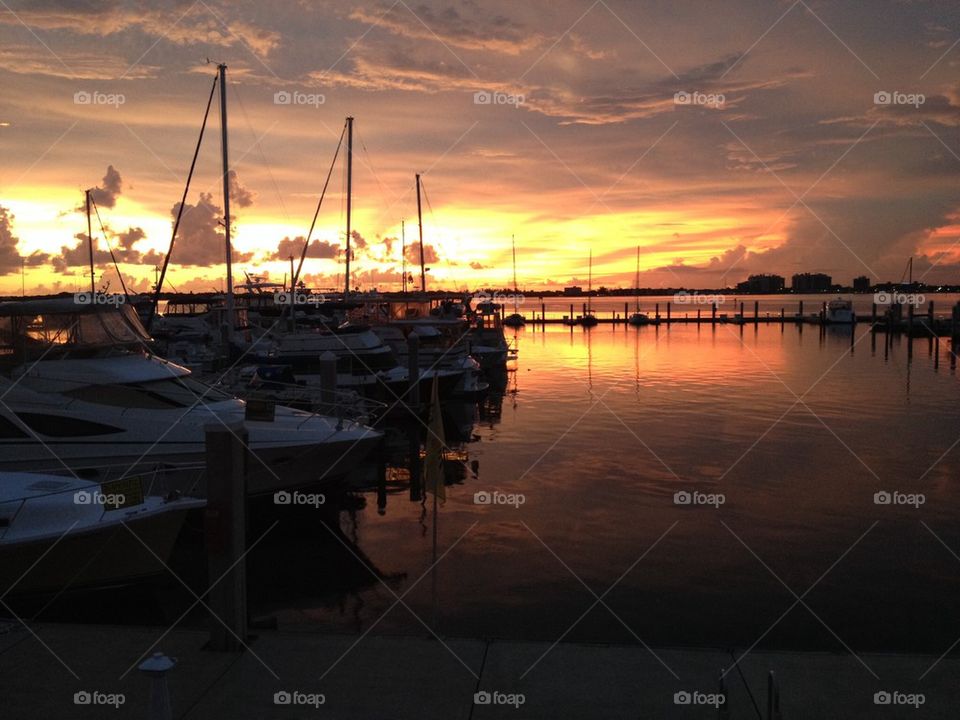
<point x="225" y="530"/>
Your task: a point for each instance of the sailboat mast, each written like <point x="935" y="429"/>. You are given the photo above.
<point x="636" y="288"/>
<point x="226" y="196"/>
<point x="513" y="247"/>
<point x="93" y="277"/>
<point x="346" y="284"/>
<point x="423" y="272"/>
<point x="403" y="253"/>
<point x="590" y="284"/>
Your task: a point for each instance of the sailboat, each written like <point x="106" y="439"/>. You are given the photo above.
<point x="515" y="319"/>
<point x="589" y="319"/>
<point x="639" y="318"/>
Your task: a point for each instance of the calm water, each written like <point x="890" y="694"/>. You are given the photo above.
<point x="599" y="429"/>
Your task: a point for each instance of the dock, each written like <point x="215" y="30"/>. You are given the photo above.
<point x="379" y="677"/>
<point x="892" y="320"/>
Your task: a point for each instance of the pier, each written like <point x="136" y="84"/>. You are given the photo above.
<point x="426" y="678"/>
<point x="892" y="319"/>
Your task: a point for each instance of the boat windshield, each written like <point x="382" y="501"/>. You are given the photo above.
<point x="27" y="332"/>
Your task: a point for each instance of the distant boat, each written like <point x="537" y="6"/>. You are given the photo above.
<point x="840" y="312"/>
<point x="589" y="319"/>
<point x="515" y="319"/>
<point x="58" y="532"/>
<point x="639" y="318"/>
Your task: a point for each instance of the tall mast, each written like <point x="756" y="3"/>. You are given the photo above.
<point x="93" y="277"/>
<point x="346" y="283"/>
<point x="423" y="272"/>
<point x="403" y="253"/>
<point x="590" y="284"/>
<point x="636" y="289"/>
<point x="226" y="196"/>
<point x="513" y="247"/>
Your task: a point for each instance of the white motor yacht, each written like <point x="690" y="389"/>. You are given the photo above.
<point x="81" y="392"/>
<point x="59" y="532"/>
<point x="840" y="312"/>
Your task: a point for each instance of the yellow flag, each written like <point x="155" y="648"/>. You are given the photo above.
<point x="433" y="462"/>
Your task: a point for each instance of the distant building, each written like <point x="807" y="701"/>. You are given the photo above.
<point x="762" y="284"/>
<point x="811" y="282"/>
<point x="861" y="284"/>
<point x="573" y="290"/>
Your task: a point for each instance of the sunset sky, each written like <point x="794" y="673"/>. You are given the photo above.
<point x="791" y="165"/>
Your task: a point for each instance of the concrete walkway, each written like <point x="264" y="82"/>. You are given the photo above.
<point x="395" y="678"/>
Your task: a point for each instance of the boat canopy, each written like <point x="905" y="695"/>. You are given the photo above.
<point x="31" y="328"/>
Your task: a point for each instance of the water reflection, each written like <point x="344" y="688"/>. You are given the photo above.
<point x="797" y="428"/>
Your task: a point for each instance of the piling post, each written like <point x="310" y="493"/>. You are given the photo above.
<point x="156" y="668"/>
<point x="783" y="314"/>
<point x="756" y="311"/>
<point x="626" y="311"/>
<point x="543" y="313"/>
<point x="668" y="311"/>
<point x="741" y="311"/>
<point x="930" y="313"/>
<point x="910" y="330"/>
<point x="328" y="379"/>
<point x="657" y="311"/>
<point x="713" y="313"/>
<point x="800" y="312"/>
<point x="723" y="710"/>
<point x="571" y="311"/>
<point x="698" y="317"/>
<point x="413" y="371"/>
<point x="773" y="698"/>
<point x="225" y="530"/>
<point x="873" y="317"/>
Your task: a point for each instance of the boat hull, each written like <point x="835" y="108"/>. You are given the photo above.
<point x="101" y="556"/>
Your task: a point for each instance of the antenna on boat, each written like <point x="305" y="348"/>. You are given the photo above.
<point x="222" y="68"/>
<point x="423" y="272"/>
<point x="93" y="277"/>
<point x="346" y="284"/>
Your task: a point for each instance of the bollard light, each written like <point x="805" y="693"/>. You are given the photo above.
<point x="156" y="668"/>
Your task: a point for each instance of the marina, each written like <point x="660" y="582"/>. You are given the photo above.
<point x="471" y="361"/>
